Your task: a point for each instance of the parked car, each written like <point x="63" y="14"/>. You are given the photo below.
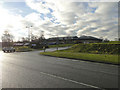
<point x="8" y="49"/>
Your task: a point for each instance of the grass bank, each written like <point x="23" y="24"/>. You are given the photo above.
<point x="96" y="48"/>
<point x="85" y="56"/>
<point x="114" y="42"/>
<point x="99" y="52"/>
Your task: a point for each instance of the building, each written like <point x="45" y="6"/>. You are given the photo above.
<point x="88" y="39"/>
<point x="61" y="40"/>
<point x="73" y="39"/>
<point x="20" y="44"/>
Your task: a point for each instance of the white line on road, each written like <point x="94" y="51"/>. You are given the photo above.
<point x="75" y="60"/>
<point x="86" y="61"/>
<point x="71" y="80"/>
<point x="94" y="63"/>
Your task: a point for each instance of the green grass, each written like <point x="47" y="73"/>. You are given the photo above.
<point x="95" y="48"/>
<point x="60" y="45"/>
<point x="23" y="49"/>
<point x="100" y="52"/>
<point x="114" y="42"/>
<point x="85" y="56"/>
<point x="110" y="42"/>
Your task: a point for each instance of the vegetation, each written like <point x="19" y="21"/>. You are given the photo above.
<point x="110" y="42"/>
<point x="7" y="39"/>
<point x="23" y="49"/>
<point x="100" y="52"/>
<point x="85" y="56"/>
<point x="96" y="48"/>
<point x="114" y="42"/>
<point x="27" y="48"/>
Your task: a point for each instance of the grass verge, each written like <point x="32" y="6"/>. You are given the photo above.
<point x="23" y="49"/>
<point x="113" y="59"/>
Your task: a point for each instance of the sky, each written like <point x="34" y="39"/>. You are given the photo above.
<point x="59" y="18"/>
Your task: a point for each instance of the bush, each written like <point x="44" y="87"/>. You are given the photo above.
<point x="97" y="48"/>
<point x="23" y="49"/>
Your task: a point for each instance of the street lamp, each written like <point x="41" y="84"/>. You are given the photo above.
<point x="43" y="41"/>
<point x="29" y="33"/>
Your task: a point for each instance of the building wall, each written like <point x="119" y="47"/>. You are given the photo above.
<point x="77" y="40"/>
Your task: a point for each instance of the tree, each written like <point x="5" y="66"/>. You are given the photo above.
<point x="33" y="38"/>
<point x="42" y="38"/>
<point x="7" y="39"/>
<point x="106" y="40"/>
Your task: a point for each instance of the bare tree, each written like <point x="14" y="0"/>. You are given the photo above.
<point x="7" y="39"/>
<point x="106" y="40"/>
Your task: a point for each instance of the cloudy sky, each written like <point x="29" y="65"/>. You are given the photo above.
<point x="59" y="17"/>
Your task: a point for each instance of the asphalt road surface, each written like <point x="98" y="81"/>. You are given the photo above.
<point x="32" y="70"/>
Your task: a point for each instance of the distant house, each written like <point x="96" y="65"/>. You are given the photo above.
<point x="21" y="44"/>
<point x="26" y="44"/>
<point x="52" y="43"/>
<point x="88" y="39"/>
<point x="18" y="44"/>
<point x="61" y="40"/>
<point x="73" y="39"/>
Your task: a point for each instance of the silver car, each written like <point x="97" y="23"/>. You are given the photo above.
<point x="8" y="49"/>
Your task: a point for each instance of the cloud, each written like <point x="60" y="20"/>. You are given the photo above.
<point x="64" y="18"/>
<point x="10" y="22"/>
<point x="38" y="6"/>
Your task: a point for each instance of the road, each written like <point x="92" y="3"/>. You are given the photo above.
<point x="32" y="70"/>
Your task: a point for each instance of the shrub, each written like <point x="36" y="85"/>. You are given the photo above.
<point x="97" y="48"/>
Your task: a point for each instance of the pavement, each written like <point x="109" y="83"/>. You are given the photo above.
<point x="32" y="70"/>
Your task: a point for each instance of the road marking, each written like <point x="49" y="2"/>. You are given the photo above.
<point x="89" y="62"/>
<point x="95" y="70"/>
<point x="85" y="61"/>
<point x="72" y="81"/>
<point x="75" y="60"/>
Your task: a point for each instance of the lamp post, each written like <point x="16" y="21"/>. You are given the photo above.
<point x="43" y="41"/>
<point x="29" y="33"/>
